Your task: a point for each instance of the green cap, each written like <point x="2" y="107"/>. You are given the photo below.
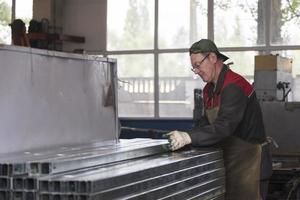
<point x="206" y="46"/>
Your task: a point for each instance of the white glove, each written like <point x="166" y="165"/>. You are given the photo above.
<point x="178" y="139"/>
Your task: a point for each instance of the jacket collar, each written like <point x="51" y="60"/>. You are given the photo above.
<point x="216" y="89"/>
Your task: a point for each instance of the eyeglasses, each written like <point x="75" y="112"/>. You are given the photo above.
<point x="195" y="69"/>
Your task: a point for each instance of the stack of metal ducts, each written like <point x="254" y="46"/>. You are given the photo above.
<point x="131" y="169"/>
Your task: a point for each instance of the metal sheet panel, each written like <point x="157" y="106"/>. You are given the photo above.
<point x="51" y="98"/>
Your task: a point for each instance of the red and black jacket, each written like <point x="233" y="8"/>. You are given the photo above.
<point x="239" y="111"/>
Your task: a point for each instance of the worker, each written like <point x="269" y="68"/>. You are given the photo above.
<point x="232" y="120"/>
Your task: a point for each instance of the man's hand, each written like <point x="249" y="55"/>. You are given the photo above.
<point x="178" y="139"/>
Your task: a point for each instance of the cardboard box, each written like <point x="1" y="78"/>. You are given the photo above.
<point x="273" y="63"/>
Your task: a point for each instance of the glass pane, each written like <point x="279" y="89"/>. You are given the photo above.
<point x="243" y="63"/>
<point x="136" y="85"/>
<point x="295" y="55"/>
<point x="5" y="19"/>
<point x="235" y="23"/>
<point x="176" y="85"/>
<point x="130" y="24"/>
<point x="285" y="22"/>
<point x="24" y="10"/>
<point x="181" y="24"/>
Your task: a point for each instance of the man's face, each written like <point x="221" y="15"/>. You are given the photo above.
<point x="203" y="66"/>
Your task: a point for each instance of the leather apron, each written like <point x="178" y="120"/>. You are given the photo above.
<point x="242" y="165"/>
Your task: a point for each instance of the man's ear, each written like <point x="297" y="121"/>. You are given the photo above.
<point x="213" y="57"/>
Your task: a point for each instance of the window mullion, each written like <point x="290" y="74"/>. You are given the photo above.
<point x="156" y="61"/>
<point x="267" y="25"/>
<point x="13" y="10"/>
<point x="210" y="19"/>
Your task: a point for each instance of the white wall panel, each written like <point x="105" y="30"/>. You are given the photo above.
<point x="85" y="18"/>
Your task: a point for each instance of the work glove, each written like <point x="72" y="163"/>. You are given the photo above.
<point x="178" y="139"/>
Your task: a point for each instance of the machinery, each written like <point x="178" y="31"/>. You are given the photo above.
<point x="272" y="77"/>
<point x="60" y="137"/>
<point x="273" y="83"/>
<point x="281" y="123"/>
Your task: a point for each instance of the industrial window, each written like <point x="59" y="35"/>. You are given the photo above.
<point x="130" y="25"/>
<point x="136" y="85"/>
<point x="285" y="22"/>
<point x="163" y="85"/>
<point x="151" y="38"/>
<point x="5" y="19"/>
<point x="10" y="10"/>
<point x="181" y="24"/>
<point x="176" y="83"/>
<point x="23" y="10"/>
<point x="243" y="63"/>
<point x="236" y="23"/>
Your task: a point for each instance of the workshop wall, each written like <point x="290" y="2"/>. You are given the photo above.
<point x="76" y="17"/>
<point x="88" y="19"/>
<point x="42" y="9"/>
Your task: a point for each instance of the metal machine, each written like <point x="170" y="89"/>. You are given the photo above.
<point x="60" y="137"/>
<point x="273" y="77"/>
<point x="273" y="84"/>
